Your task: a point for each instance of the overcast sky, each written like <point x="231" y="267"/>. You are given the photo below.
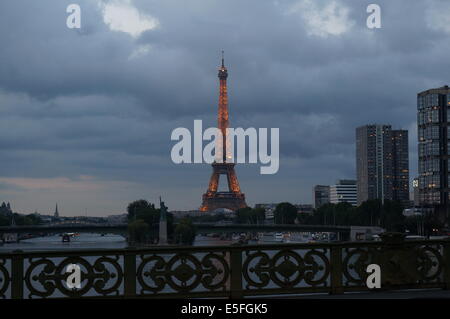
<point x="86" y="115"/>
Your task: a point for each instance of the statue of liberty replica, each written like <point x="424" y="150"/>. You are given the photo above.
<point x="162" y="223"/>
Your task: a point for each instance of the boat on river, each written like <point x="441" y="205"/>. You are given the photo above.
<point x="67" y="237"/>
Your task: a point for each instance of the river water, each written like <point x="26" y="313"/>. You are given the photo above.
<point x="84" y="241"/>
<point x="95" y="241"/>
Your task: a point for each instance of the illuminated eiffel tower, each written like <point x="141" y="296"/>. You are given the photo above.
<point x="232" y="199"/>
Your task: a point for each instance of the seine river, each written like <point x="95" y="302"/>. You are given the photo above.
<point x="84" y="241"/>
<point x="90" y="241"/>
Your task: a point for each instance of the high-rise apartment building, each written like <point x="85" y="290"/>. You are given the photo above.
<point x="344" y="191"/>
<point x="321" y="195"/>
<point x="382" y="165"/>
<point x="400" y="166"/>
<point x="434" y="149"/>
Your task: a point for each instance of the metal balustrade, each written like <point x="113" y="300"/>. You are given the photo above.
<point x="226" y="271"/>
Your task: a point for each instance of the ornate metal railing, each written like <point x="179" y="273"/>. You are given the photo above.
<point x="226" y="271"/>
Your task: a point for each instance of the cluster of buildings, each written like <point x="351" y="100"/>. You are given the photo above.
<point x="382" y="161"/>
<point x="5" y="210"/>
<point x="343" y="191"/>
<point x="382" y="169"/>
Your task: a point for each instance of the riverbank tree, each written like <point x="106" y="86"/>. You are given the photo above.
<point x="285" y="213"/>
<point x="185" y="232"/>
<point x="146" y="212"/>
<point x="250" y="215"/>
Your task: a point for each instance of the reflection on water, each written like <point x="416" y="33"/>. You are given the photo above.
<point x="210" y="241"/>
<point x="83" y="241"/>
<point x="266" y="238"/>
<point x="98" y="241"/>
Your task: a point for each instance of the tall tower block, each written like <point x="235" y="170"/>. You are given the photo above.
<point x="233" y="198"/>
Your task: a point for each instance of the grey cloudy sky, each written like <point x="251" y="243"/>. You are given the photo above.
<point x="86" y="115"/>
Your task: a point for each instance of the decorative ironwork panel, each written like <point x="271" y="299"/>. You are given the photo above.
<point x="47" y="277"/>
<point x="430" y="263"/>
<point x="412" y="264"/>
<point x="286" y="268"/>
<point x="355" y="262"/>
<point x="182" y="273"/>
<point x="232" y="271"/>
<point x="405" y="264"/>
<point x="5" y="278"/>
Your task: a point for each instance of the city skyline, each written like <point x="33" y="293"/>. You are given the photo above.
<point x="87" y="114"/>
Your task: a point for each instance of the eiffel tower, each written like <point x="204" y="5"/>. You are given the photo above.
<point x="232" y="199"/>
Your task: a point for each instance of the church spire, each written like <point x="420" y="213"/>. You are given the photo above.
<point x="56" y="211"/>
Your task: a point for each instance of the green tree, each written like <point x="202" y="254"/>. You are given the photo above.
<point x="248" y="215"/>
<point x="305" y="219"/>
<point x="138" y="208"/>
<point x="323" y="215"/>
<point x="138" y="231"/>
<point x="392" y="218"/>
<point x="5" y="220"/>
<point x="285" y="213"/>
<point x="146" y="211"/>
<point x="32" y="219"/>
<point x="343" y="214"/>
<point x="243" y="215"/>
<point x="368" y="213"/>
<point x="259" y="215"/>
<point x="185" y="232"/>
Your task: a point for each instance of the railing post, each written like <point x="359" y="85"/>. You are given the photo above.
<point x="236" y="272"/>
<point x="17" y="276"/>
<point x="129" y="274"/>
<point x="336" y="270"/>
<point x="446" y="267"/>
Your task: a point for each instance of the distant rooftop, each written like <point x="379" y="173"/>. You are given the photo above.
<point x="442" y="90"/>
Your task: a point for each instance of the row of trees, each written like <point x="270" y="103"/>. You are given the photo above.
<point x="250" y="215"/>
<point x="31" y="219"/>
<point x="370" y="213"/>
<point x="285" y="213"/>
<point x="388" y="215"/>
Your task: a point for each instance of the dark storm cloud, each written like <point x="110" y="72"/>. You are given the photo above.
<point x="103" y="103"/>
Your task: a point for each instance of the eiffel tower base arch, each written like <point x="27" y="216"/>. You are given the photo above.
<point x="233" y="199"/>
